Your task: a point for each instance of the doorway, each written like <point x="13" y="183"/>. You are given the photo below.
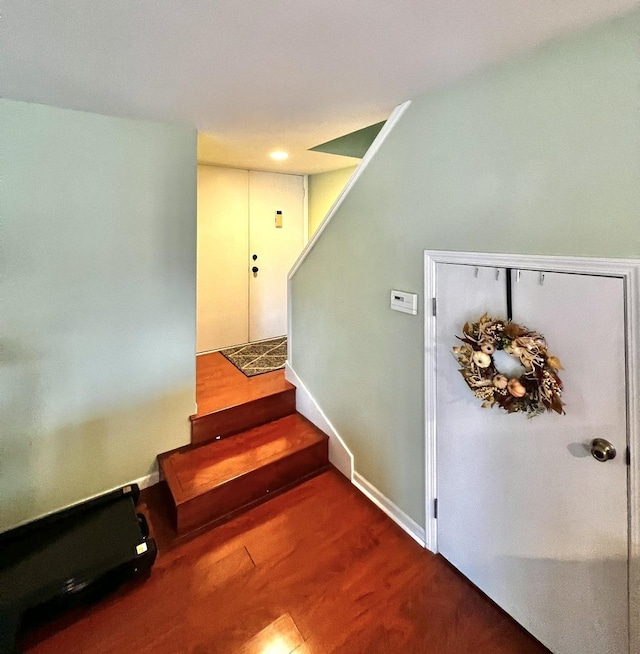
<point x="523" y="509"/>
<point x="251" y="228"/>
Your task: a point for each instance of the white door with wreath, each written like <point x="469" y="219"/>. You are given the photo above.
<point x="532" y="507"/>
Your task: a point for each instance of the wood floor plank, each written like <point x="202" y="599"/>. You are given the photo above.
<point x="350" y="579"/>
<point x="219" y="384"/>
<point x="303" y="649"/>
<point x="219" y="571"/>
<point x="280" y="637"/>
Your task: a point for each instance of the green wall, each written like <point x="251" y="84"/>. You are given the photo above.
<point x="324" y="188"/>
<point x="97" y="319"/>
<point x="537" y="155"/>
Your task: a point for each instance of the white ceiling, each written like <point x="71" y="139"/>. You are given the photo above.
<point x="265" y="74"/>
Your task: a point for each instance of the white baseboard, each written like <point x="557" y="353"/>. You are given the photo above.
<point x="396" y="514"/>
<point x="148" y="480"/>
<point x="341" y="457"/>
<point x="339" y="454"/>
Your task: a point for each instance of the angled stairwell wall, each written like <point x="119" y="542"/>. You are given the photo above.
<point x="540" y="154"/>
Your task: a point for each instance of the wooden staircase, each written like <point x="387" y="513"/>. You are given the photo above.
<point x="241" y="454"/>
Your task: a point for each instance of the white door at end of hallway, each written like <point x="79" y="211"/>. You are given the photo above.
<point x="236" y="211"/>
<point x="276" y="238"/>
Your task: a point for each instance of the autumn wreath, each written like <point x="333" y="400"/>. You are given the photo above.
<point x="534" y="392"/>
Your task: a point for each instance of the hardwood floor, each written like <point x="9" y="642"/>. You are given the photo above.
<point x="219" y="384"/>
<point x="316" y="570"/>
<point x="230" y="402"/>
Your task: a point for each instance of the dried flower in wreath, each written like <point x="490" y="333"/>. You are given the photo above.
<point x="538" y="390"/>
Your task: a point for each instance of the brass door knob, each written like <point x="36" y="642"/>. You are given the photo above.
<point x="602" y="450"/>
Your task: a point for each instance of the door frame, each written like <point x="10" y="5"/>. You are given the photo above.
<point x="626" y="269"/>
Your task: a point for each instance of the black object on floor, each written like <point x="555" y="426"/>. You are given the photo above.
<point x="70" y="558"/>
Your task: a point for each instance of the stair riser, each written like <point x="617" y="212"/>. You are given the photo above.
<point x="171" y="502"/>
<point x="232" y="420"/>
<point x="251" y="488"/>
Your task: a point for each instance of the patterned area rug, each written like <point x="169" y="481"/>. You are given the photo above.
<point x="257" y="358"/>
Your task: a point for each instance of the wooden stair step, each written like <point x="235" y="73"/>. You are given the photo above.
<point x="211" y="481"/>
<point x="245" y="415"/>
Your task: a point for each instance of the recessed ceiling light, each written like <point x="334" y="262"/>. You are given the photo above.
<point x="279" y="155"/>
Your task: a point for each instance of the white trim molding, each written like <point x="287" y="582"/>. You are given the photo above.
<point x="431" y="524"/>
<point x="404" y="521"/>
<point x="626" y="269"/>
<point x="341" y="458"/>
<point x="148" y="480"/>
<point x="339" y="454"/>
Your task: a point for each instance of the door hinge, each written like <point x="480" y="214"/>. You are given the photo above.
<point x="627" y="456"/>
<point x="433" y="306"/>
<point x="435" y="508"/>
